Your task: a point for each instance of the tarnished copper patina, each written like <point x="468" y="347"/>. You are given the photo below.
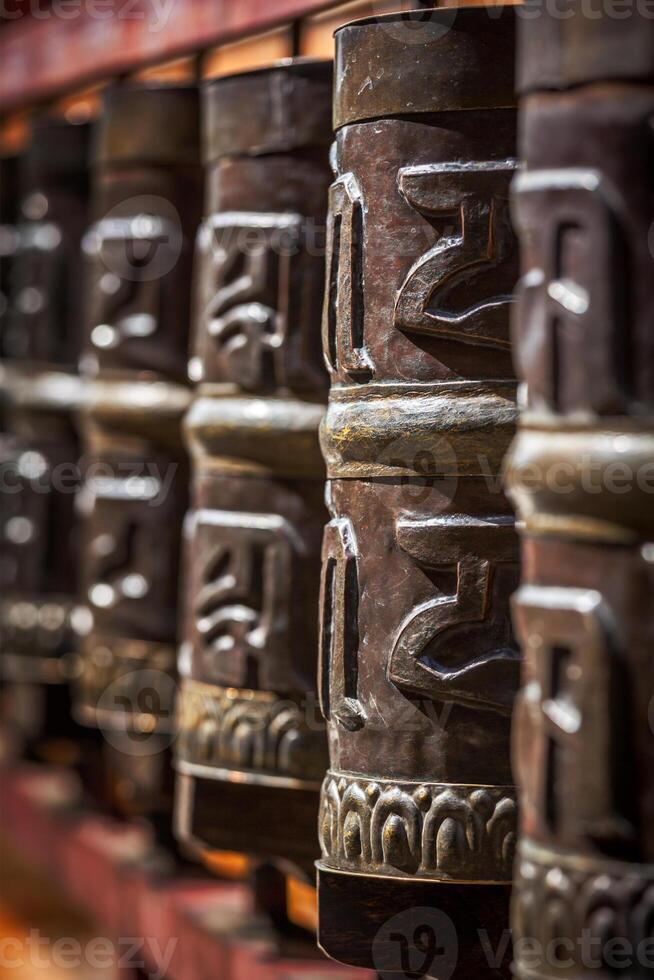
<point x="581" y="476"/>
<point x="138" y="250"/>
<point x="251" y="749"/>
<point x="39" y="342"/>
<point x="418" y="663"/>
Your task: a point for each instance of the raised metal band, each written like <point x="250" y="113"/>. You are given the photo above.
<point x="148" y="123"/>
<point x="566" y="479"/>
<point x="266" y="110"/>
<point x="561" y="45"/>
<point x="459" y="429"/>
<point x="256" y="434"/>
<point x="424" y="61"/>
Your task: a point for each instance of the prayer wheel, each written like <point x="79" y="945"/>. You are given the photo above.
<point x="581" y="476"/>
<point x="139" y="252"/>
<point x="418" y="664"/>
<point x="39" y="455"/>
<point x="251" y="750"/>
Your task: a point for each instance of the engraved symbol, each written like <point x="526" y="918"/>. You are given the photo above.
<point x="125" y="304"/>
<point x="471" y="260"/>
<point x="343" y="341"/>
<point x="472" y="614"/>
<point x="132" y="250"/>
<point x="242" y="598"/>
<point x="37" y="301"/>
<point x="572" y="315"/>
<point x="339" y="626"/>
<point x="131" y="549"/>
<point x="254" y="292"/>
<point x="569" y="713"/>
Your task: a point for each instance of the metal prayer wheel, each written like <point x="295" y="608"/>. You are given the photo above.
<point x="146" y="208"/>
<point x="39" y="466"/>
<point x="251" y="751"/>
<point x="8" y="233"/>
<point x="581" y="476"/>
<point x="418" y="664"/>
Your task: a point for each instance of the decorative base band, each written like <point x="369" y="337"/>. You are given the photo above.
<point x="577" y="916"/>
<point x="432" y="831"/>
<point x="413" y="927"/>
<point x="250" y="817"/>
<point x="258" y="735"/>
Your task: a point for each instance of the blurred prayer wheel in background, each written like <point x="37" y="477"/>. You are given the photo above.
<point x="39" y="341"/>
<point x="251" y="750"/>
<point x="9" y="168"/>
<point x="581" y="476"/>
<point x="418" y="664"/>
<point x="139" y="248"/>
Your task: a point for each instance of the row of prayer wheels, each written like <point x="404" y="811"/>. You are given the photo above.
<point x="266" y="522"/>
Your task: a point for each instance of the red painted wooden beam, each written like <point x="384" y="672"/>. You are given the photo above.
<point x="112" y="872"/>
<point x="74" y="42"/>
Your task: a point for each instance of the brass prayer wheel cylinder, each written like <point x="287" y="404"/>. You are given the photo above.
<point x="40" y="395"/>
<point x="418" y="664"/>
<point x="580" y="474"/>
<point x="251" y="751"/>
<point x="139" y="247"/>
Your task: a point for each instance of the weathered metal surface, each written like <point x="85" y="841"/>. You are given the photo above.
<point x="39" y="341"/>
<point x="418" y="664"/>
<point x="580" y="474"/>
<point x="251" y="749"/>
<point x="138" y="249"/>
